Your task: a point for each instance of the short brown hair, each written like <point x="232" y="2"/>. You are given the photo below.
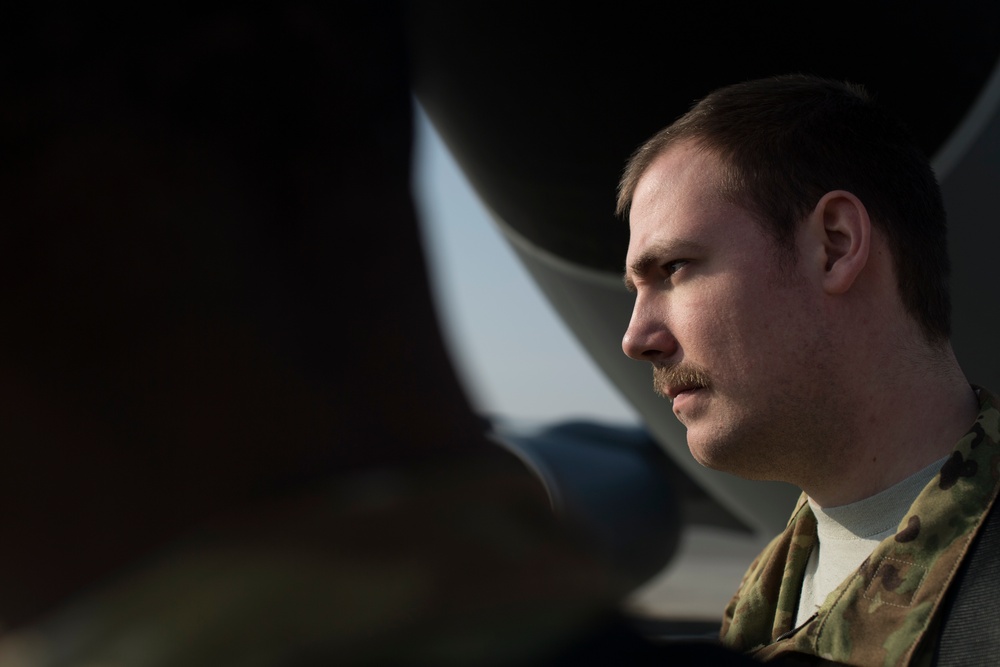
<point x="786" y="141"/>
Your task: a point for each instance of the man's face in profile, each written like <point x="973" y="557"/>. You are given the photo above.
<point x="728" y="328"/>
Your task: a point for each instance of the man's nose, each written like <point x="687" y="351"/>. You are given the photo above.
<point x="648" y="338"/>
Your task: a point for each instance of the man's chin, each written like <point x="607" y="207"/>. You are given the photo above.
<point x="732" y="460"/>
<point x="706" y="460"/>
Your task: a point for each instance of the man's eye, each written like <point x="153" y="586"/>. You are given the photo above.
<point x="673" y="267"/>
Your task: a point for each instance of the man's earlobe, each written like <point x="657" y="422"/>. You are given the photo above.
<point x="845" y="231"/>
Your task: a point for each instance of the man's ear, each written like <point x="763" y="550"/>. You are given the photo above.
<point x="841" y="226"/>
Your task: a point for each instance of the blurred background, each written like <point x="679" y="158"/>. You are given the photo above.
<point x="517" y="358"/>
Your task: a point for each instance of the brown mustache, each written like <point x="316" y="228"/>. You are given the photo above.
<point x="678" y="376"/>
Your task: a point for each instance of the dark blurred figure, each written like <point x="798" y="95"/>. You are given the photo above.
<point x="231" y="433"/>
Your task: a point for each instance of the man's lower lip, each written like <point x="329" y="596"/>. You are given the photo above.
<point x="686" y="394"/>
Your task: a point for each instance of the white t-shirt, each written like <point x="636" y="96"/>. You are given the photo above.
<point x="849" y="533"/>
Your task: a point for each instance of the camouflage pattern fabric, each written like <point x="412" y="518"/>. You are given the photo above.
<point x="886" y="613"/>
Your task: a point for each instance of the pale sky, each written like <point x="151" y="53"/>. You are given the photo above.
<point x="516" y="357"/>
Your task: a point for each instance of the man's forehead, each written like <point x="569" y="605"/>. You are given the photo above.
<point x="681" y="185"/>
<point x="679" y="211"/>
<point x="683" y="173"/>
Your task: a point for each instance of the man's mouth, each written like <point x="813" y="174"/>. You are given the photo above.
<point x="673" y="381"/>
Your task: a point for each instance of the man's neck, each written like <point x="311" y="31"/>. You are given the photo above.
<point x="914" y="415"/>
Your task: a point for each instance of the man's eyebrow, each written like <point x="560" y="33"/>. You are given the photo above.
<point x="653" y="257"/>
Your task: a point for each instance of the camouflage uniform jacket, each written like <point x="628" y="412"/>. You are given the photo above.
<point x="886" y="613"/>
